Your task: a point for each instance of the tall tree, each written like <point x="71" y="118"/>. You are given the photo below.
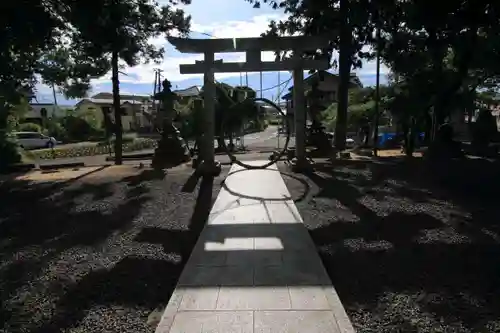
<point x="122" y="31"/>
<point x="442" y="53"/>
<point x="350" y="25"/>
<point x="26" y="49"/>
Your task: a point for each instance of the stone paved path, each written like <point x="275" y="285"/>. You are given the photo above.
<point x="254" y="268"/>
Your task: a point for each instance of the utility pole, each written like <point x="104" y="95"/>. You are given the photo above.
<point x="156" y="90"/>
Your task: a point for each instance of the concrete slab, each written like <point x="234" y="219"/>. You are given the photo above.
<point x="255" y="267"/>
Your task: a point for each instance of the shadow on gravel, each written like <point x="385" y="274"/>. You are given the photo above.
<point x="410" y="248"/>
<point x="144" y="176"/>
<point x="137" y="280"/>
<point x="66" y="251"/>
<point x="183" y="241"/>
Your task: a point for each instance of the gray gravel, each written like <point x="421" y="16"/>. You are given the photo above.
<point x="94" y="257"/>
<point x="405" y="251"/>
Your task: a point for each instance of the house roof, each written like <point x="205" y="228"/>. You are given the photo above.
<point x="107" y="101"/>
<point x="105" y="98"/>
<point x="134" y="97"/>
<point x="315" y="77"/>
<point x="191" y="91"/>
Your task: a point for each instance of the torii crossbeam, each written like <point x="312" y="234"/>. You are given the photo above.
<point x="253" y="48"/>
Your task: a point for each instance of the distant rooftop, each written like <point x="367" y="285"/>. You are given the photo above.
<point x="354" y="80"/>
<point x="191" y="91"/>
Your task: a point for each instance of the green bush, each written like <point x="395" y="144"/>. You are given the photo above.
<point x="55" y="128"/>
<point x="79" y="151"/>
<point x="125" y="139"/>
<point x="9" y="153"/>
<point x="30" y="127"/>
<point x="275" y="121"/>
<point x="77" y="129"/>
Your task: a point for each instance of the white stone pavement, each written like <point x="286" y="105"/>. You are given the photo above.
<point x="254" y="267"/>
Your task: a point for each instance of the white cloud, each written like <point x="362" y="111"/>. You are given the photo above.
<point x="229" y="29"/>
<point x="144" y="73"/>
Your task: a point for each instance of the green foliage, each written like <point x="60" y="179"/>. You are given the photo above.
<point x="77" y="129"/>
<point x="91" y="150"/>
<point x="92" y="116"/>
<point x="229" y="109"/>
<point x="30" y="127"/>
<point x="9" y="152"/>
<point x="122" y="30"/>
<point x="361" y="110"/>
<point x="126" y="139"/>
<point x="56" y="43"/>
<point x="54" y="128"/>
<point x="439" y="56"/>
<point x="329" y="117"/>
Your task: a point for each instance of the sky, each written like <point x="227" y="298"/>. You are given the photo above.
<point x="221" y="19"/>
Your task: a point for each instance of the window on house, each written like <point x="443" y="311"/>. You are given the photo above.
<point x="106" y="109"/>
<point x="123" y="111"/>
<point x="43" y="112"/>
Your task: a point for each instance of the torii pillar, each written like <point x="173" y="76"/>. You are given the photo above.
<point x="253" y="48"/>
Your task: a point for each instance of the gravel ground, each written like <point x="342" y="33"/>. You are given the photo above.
<point x="100" y="254"/>
<point x="408" y="250"/>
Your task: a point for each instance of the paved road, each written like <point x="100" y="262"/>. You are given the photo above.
<point x="266" y="140"/>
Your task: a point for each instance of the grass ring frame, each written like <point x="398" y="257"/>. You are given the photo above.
<point x="275" y="158"/>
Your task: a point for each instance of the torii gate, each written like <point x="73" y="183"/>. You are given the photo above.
<point x="253" y="48"/>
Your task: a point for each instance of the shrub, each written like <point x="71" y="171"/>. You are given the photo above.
<point x="55" y="128"/>
<point x="78" y="151"/>
<point x="9" y="153"/>
<point x="77" y="128"/>
<point x="125" y="139"/>
<point x="30" y="127"/>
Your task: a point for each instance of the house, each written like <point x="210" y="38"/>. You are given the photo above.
<point x="193" y="91"/>
<point x="328" y="86"/>
<point x="132" y="108"/>
<point x="39" y="111"/>
<point x="137" y="110"/>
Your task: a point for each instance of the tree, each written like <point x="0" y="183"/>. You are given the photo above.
<point x="122" y="30"/>
<point x="361" y="111"/>
<point x="39" y="48"/>
<point x="443" y="54"/>
<point x="230" y="113"/>
<point x="350" y="24"/>
<point x="228" y="118"/>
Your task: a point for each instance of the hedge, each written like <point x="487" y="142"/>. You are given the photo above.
<point x="79" y="151"/>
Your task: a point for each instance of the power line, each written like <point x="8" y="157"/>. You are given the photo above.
<point x="281" y="92"/>
<point x="275" y="86"/>
<point x="246" y="74"/>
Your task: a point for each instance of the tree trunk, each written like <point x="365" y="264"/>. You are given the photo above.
<point x="344" y="73"/>
<point x="231" y="144"/>
<point x="220" y="141"/>
<point x="117" y="110"/>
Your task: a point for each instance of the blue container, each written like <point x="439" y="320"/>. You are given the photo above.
<point x="384" y="137"/>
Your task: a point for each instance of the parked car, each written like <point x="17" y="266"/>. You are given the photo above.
<point x="34" y="140"/>
<point x="349" y="142"/>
